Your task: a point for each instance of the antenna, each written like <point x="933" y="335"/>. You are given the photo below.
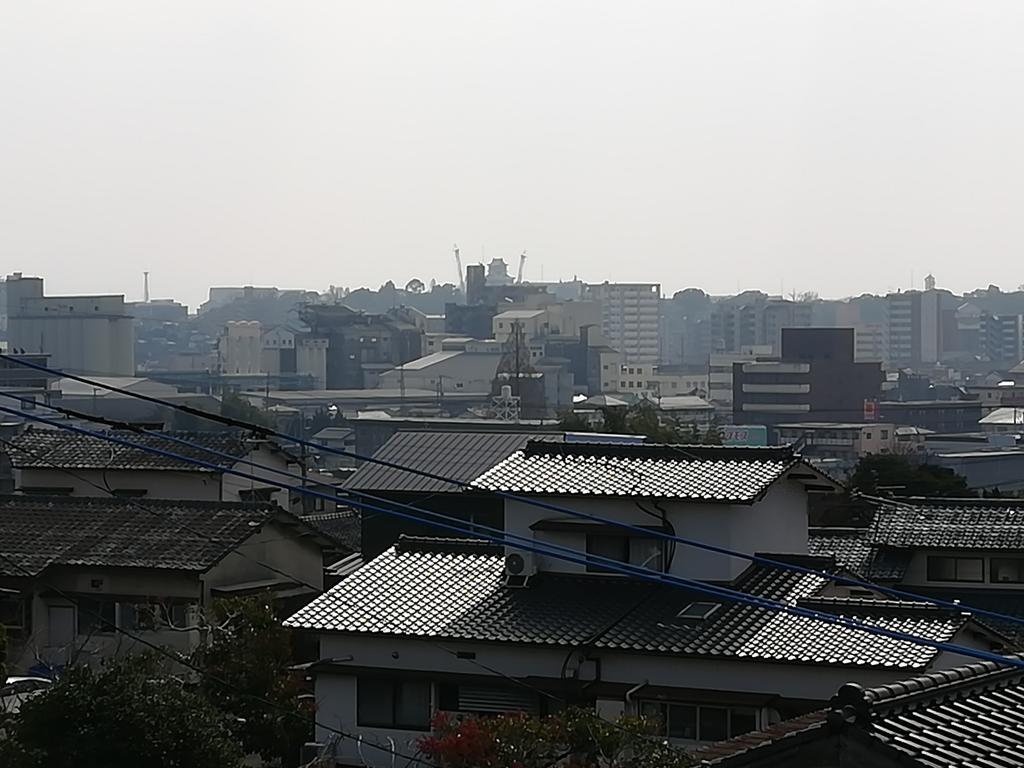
<point x="145" y="287"/>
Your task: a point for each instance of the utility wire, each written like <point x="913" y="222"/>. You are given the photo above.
<point x="570" y="555"/>
<point x="645" y="532"/>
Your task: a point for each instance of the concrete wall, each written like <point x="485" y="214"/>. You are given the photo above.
<point x="233" y="486"/>
<point x="274" y="546"/>
<point x="86" y="334"/>
<point x="778" y="523"/>
<point x="336" y="693"/>
<point x="199" y="486"/>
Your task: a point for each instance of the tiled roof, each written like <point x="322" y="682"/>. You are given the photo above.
<point x="36" y="532"/>
<point x="777" y="736"/>
<point x="700" y="473"/>
<point x="40" y="448"/>
<point x="461" y="456"/>
<point x="966" y="717"/>
<point x="344" y="526"/>
<point x="851" y="547"/>
<point x="961" y="524"/>
<point x="855" y="551"/>
<point x="425" y="588"/>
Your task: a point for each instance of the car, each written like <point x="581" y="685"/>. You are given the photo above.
<point x="17" y="690"/>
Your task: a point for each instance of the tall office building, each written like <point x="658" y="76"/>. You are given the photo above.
<point x="630" y="318"/>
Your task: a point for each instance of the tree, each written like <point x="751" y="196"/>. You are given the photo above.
<point x="887" y="473"/>
<point x="713" y="434"/>
<point x="575" y="737"/>
<point x="235" y="407"/>
<point x="570" y="421"/>
<point x="129" y="713"/>
<point x="247" y="663"/>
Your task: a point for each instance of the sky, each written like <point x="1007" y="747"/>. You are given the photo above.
<point x="837" y="146"/>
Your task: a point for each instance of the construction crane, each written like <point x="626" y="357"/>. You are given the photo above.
<point x="458" y="263"/>
<point x="522" y="261"/>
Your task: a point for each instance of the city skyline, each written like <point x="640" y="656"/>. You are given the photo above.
<point x="842" y="147"/>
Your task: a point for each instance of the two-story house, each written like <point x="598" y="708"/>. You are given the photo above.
<point x="451" y="625"/>
<point x="55" y="462"/>
<point x="970" y="550"/>
<point x="74" y="569"/>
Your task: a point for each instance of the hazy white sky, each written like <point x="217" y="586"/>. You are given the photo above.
<point x="830" y="145"/>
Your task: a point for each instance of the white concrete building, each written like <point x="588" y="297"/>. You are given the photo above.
<point x="720" y="368"/>
<point x="446" y="372"/>
<point x="240" y="347"/>
<point x="648" y="380"/>
<point x="630" y="318"/>
<point x="82" y="334"/>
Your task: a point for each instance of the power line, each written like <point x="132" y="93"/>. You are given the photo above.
<point x="645" y="532"/>
<point x="571" y="555"/>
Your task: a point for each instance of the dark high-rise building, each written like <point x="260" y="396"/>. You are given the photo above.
<point x="815" y="378"/>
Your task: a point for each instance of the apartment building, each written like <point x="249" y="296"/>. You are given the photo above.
<point x="919" y="325"/>
<point x="630" y="318"/>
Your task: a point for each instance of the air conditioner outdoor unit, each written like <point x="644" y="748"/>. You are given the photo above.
<point x="519" y="566"/>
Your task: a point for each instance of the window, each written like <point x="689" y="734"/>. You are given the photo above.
<point x="643" y="553"/>
<point x="885" y="434"/>
<point x="13" y="612"/>
<point x="401" y="704"/>
<point x="256" y="494"/>
<point x="1006" y="570"/>
<point x="700" y="722"/>
<point x="697" y="612"/>
<point x="96" y="616"/>
<point x="956" y="569"/>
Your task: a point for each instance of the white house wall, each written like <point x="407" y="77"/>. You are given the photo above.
<point x="233" y="485"/>
<point x="276" y="546"/>
<point x="336" y="692"/>
<point x="776" y="524"/>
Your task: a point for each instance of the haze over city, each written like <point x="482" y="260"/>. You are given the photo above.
<point x="839" y="147"/>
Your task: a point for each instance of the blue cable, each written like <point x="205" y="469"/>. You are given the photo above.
<point x="570" y="555"/>
<point x="645" y="532"/>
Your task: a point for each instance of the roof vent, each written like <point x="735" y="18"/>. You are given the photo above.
<point x="695" y="613"/>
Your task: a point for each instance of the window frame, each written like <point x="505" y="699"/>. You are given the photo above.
<point x="665" y="711"/>
<point x="395" y="685"/>
<point x="932" y="564"/>
<point x="992" y="565"/>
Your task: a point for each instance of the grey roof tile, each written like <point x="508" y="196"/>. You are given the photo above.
<point x="461" y="456"/>
<point x="965" y="717"/>
<point x="40" y="448"/>
<point x="960" y="524"/>
<point x="37" y="532"/>
<point x="455" y="590"/>
<point x="699" y="473"/>
<point x="851" y="547"/>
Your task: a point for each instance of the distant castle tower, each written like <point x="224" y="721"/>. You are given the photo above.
<point x="929" y="282"/>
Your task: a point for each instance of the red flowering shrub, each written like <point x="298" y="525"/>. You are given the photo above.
<point x="575" y="738"/>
